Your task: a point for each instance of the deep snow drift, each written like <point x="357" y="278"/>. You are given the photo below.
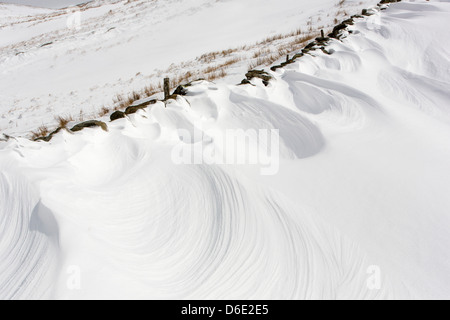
<point x="362" y="185"/>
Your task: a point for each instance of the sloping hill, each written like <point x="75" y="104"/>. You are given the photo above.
<point x="49" y="70"/>
<point x="355" y="204"/>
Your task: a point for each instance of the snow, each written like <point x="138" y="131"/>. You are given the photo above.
<point x="123" y="46"/>
<point x="362" y="184"/>
<point x="55" y="4"/>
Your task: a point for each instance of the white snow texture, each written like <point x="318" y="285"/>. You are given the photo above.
<point x="362" y="189"/>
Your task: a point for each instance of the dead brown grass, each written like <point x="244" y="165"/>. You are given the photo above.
<point x="41" y="132"/>
<point x="216" y="75"/>
<point x="266" y="57"/>
<point x="149" y="91"/>
<point x="123" y="102"/>
<point x="63" y="121"/>
<point x="104" y="111"/>
<point x="135" y="96"/>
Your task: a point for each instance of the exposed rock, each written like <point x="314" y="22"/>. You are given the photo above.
<point x="145" y="104"/>
<point x="348" y="22"/>
<point x="50" y="136"/>
<point x="134" y="109"/>
<point x="288" y="62"/>
<point x="389" y="1"/>
<point x="337" y="30"/>
<point x="173" y="97"/>
<point x="368" y="12"/>
<point x="322" y="40"/>
<point x="90" y="124"/>
<point x="273" y="68"/>
<point x="319" y="43"/>
<point x="310" y="45"/>
<point x="261" y="74"/>
<point x="46" y="139"/>
<point x="117" y="115"/>
<point x="180" y="90"/>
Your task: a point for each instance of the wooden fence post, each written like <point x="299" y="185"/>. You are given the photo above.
<point x="166" y="88"/>
<point x="322" y="34"/>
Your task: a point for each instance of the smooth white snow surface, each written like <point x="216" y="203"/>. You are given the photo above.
<point x="363" y="185"/>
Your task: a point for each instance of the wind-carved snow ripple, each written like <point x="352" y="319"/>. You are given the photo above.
<point x="200" y="232"/>
<point x="28" y="248"/>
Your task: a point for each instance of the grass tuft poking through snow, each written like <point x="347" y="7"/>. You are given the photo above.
<point x="63" y="121"/>
<point x="40" y="132"/>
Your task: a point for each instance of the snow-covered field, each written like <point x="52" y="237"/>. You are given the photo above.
<point x="358" y="208"/>
<point x="121" y="46"/>
<point x="56" y="4"/>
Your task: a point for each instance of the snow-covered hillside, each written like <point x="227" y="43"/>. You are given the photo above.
<point x="361" y="189"/>
<point x="55" y="4"/>
<point x="121" y="46"/>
